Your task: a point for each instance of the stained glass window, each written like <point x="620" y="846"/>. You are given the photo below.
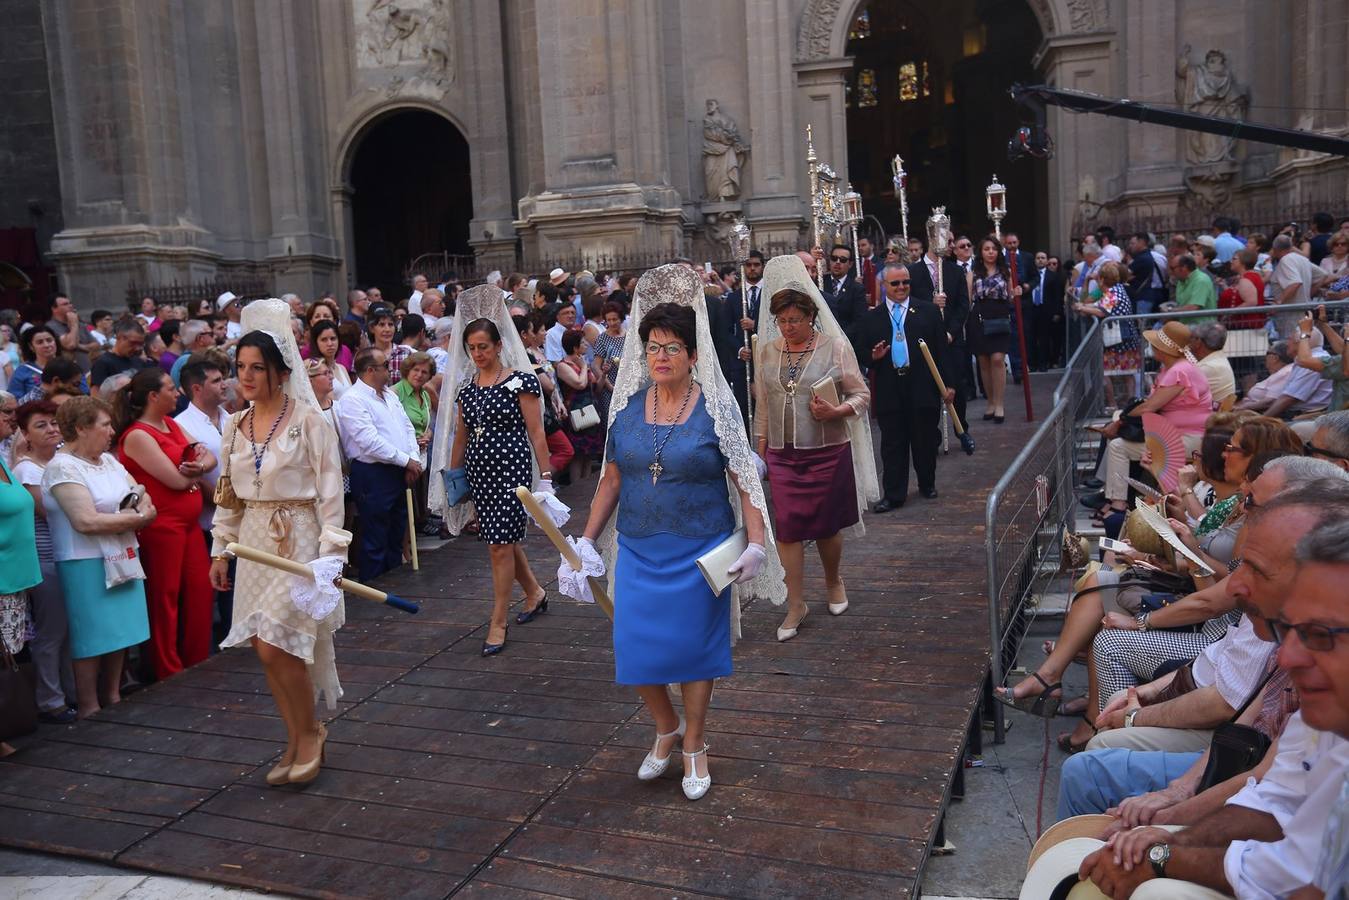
<point x="908" y="81"/>
<point x="866" y="88"/>
<point x="861" y="27"/>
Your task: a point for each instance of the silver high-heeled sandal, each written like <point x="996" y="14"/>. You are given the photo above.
<point x="652" y="766"/>
<point x="696" y="785"/>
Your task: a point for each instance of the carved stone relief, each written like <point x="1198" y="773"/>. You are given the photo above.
<point x="412" y="35"/>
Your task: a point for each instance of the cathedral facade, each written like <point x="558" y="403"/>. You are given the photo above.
<point x="326" y="143"/>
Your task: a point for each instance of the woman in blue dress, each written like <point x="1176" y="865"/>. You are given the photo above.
<point x="675" y="434"/>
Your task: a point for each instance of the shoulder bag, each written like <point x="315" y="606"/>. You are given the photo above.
<point x="1235" y="748"/>
<point x="18" y="706"/>
<point x="224" y="486"/>
<point x="1112" y="334"/>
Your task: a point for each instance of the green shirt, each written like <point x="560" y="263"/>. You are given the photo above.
<point x="1198" y="291"/>
<point x="18" y="548"/>
<point x="1333" y="369"/>
<point x="417" y="408"/>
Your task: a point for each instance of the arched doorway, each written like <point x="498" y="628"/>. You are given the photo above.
<point x="929" y="82"/>
<point x="411" y="194"/>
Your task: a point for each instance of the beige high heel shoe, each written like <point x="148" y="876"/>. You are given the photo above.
<point x="301" y="773"/>
<point x="280" y="774"/>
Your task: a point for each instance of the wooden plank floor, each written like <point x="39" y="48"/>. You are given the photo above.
<point x="514" y="776"/>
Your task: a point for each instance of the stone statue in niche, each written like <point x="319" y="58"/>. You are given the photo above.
<point x="724" y="152"/>
<point x="1208" y="88"/>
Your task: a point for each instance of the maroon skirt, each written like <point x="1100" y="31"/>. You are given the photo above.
<point x="814" y="492"/>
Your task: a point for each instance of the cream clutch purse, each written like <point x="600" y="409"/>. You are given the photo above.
<point x="826" y="390"/>
<point x="714" y="563"/>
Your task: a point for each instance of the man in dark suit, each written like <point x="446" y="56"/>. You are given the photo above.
<point x="905" y="396"/>
<point x="729" y="327"/>
<point x="1046" y="313"/>
<point x="954" y="303"/>
<point x="1026" y="276"/>
<point x="845" y="296"/>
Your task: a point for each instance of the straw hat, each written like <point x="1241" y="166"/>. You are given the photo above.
<point x="1173" y="339"/>
<point x="557" y="276"/>
<point x="1054" y="875"/>
<point x="1143" y="537"/>
<point x="1088" y="826"/>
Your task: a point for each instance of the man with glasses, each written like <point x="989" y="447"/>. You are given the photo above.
<point x="905" y="396"/>
<point x="1267" y="839"/>
<point x="953" y="301"/>
<point x="126" y="355"/>
<point x="845" y="295"/>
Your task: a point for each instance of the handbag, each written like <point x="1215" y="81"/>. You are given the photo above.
<point x="714" y="563"/>
<point x="456" y="485"/>
<point x="225" y="498"/>
<point x="584" y="417"/>
<point x="18" y="703"/>
<point x="995" y="327"/>
<point x="1112" y="333"/>
<point x="1235" y="748"/>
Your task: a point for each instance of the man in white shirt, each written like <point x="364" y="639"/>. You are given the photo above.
<point x="552" y="343"/>
<point x="1295" y="279"/>
<point x="204" y="419"/>
<point x="1206" y="344"/>
<point x="1266" y="841"/>
<point x="378" y="438"/>
<point x="419" y="285"/>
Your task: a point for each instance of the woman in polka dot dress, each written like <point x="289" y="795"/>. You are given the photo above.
<point x="500" y="421"/>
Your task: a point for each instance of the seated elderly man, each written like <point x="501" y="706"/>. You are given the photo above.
<point x="1305" y="389"/>
<point x="1099" y="780"/>
<point x="1330" y="439"/>
<point x="1270" y="838"/>
<point x="1279" y="365"/>
<point x="1206" y="345"/>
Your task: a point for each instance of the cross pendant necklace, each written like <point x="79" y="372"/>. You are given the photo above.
<point x="656" y="468"/>
<point x="478" y="431"/>
<point x="659" y="443"/>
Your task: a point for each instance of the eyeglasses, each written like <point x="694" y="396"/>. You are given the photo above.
<point x="1320" y="638"/>
<point x="842" y="259"/>
<point x="785" y="323"/>
<point x="1248" y="501"/>
<point x="1234" y="448"/>
<point x="899" y="281"/>
<point x="964" y="245"/>
<point x="671" y="350"/>
<point x="1312" y="450"/>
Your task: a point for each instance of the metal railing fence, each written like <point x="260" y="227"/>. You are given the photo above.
<point x="1030" y="507"/>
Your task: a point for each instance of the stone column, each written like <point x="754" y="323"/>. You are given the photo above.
<point x="116" y="79"/>
<point x="603" y="116"/>
<point x="820" y="100"/>
<point x="492" y="229"/>
<point x="777" y="138"/>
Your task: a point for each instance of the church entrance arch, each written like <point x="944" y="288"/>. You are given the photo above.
<point x="930" y="83"/>
<point x="410" y="193"/>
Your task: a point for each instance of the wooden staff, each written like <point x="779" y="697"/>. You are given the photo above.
<point x="546" y="523"/>
<point x="262" y="557"/>
<point x="412" y="532"/>
<point x="966" y="442"/>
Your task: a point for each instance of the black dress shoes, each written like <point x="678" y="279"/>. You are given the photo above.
<point x="885" y="505"/>
<point x="928" y="493"/>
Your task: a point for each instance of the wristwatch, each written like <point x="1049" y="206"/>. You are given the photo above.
<point x="1129" y="718"/>
<point x="1159" y="855"/>
<point x="1142" y="621"/>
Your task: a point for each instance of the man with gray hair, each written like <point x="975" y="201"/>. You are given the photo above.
<point x="1206" y="343"/>
<point x="1330" y="440"/>
<point x="1295" y="279"/>
<point x="1278" y="367"/>
<point x="196" y="335"/>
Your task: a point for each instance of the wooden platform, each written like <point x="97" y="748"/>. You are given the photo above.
<point x="833" y="754"/>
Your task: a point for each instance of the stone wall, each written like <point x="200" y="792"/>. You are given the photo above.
<point x="30" y="183"/>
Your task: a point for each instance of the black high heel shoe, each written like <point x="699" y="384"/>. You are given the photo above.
<point x="494" y="649"/>
<point x="529" y="615"/>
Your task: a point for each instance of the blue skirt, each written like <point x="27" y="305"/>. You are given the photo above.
<point x="101" y="620"/>
<point x="669" y="627"/>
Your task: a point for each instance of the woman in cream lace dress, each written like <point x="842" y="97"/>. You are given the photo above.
<point x="283" y="463"/>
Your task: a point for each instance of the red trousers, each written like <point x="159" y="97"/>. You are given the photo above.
<point x="178" y="593"/>
<point x="559" y="451"/>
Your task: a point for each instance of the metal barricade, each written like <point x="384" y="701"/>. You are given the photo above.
<point x="1032" y="504"/>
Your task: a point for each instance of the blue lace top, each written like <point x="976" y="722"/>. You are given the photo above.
<point x="690" y="497"/>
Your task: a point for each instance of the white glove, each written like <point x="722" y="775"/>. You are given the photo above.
<point x="573" y="583"/>
<point x="749" y="564"/>
<point x="760" y="465"/>
<point x="545" y="486"/>
<point x="545" y="496"/>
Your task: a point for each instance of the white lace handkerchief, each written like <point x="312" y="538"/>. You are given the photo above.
<point x="576" y="584"/>
<point x="319" y="596"/>
<point x="558" y="511"/>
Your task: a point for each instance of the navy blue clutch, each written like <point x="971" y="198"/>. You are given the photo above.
<point x="456" y="485"/>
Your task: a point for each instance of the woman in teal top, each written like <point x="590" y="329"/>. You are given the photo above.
<point x="18" y="557"/>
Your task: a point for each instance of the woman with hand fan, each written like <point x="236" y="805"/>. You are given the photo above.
<point x="1180" y="395"/>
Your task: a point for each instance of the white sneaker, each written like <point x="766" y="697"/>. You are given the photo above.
<point x="653" y="766"/>
<point x="696" y="785"/>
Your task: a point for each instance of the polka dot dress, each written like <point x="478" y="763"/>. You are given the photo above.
<point x="498" y="457"/>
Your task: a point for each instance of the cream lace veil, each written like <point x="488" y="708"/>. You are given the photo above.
<point x="272" y="317"/>
<point x="481" y="302"/>
<point x="678" y="283"/>
<point x="788" y="273"/>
